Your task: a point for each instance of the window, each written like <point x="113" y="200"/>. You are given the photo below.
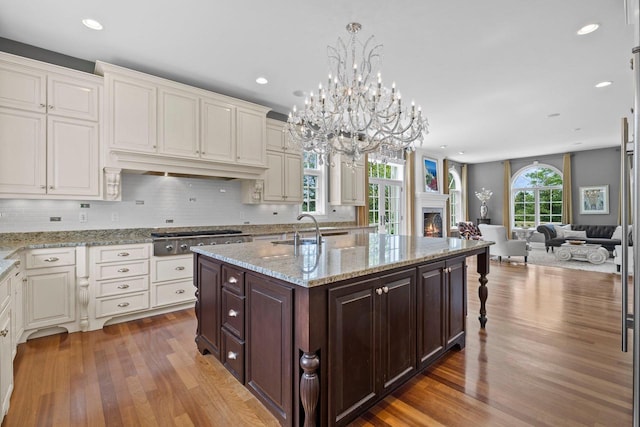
<point x="313" y="194"/>
<point x="536" y="196"/>
<point x="455" y="198"/>
<point x="385" y="196"/>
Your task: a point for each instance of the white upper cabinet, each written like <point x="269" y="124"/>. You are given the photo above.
<point x="251" y="134"/>
<point x="179" y="116"/>
<point x="49" y="131"/>
<point x="347" y="183"/>
<point x="283" y="178"/>
<point x="218" y="121"/>
<point x="132" y="113"/>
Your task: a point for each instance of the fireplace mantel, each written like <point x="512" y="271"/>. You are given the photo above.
<point x="428" y="200"/>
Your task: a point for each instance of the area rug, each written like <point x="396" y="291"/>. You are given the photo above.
<point x="539" y="256"/>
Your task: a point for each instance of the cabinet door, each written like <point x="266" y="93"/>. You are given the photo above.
<point x="22" y="152"/>
<point x="218" y="130"/>
<point x="358" y="185"/>
<point x="133" y="114"/>
<point x="6" y="359"/>
<point x="208" y="306"/>
<point x="398" y="319"/>
<point x="22" y="87"/>
<point x="69" y="97"/>
<point x="72" y="157"/>
<point x="250" y="147"/>
<point x="457" y="301"/>
<point x="50" y="297"/>
<point x="179" y="117"/>
<point x="275" y="136"/>
<point x="353" y="331"/>
<point x="269" y="341"/>
<point x="293" y="178"/>
<point x="431" y="297"/>
<point x="274" y="177"/>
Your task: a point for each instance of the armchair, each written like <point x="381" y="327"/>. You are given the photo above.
<point x="469" y="231"/>
<point x="503" y="246"/>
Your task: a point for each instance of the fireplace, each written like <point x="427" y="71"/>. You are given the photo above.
<point x="432" y="222"/>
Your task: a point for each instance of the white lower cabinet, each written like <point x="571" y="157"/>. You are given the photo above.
<point x="172" y="280"/>
<point x="6" y="359"/>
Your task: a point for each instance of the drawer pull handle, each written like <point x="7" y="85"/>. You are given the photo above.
<point x="123" y="304"/>
<point x="123" y="286"/>
<point x="51" y="259"/>
<point x="233" y="279"/>
<point x="123" y="253"/>
<point x="180" y="291"/>
<point x="179" y="268"/>
<point x="4" y="332"/>
<point x="123" y="270"/>
<point x="379" y="291"/>
<point x="385" y="289"/>
<point x="233" y="313"/>
<point x="232" y="356"/>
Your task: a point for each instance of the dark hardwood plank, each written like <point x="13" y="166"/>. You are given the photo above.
<point x="549" y="356"/>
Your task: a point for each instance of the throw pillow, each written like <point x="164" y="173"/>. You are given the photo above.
<point x="560" y="229"/>
<point x="575" y="234"/>
<point x="617" y="233"/>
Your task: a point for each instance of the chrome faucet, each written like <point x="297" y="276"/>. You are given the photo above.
<point x="318" y="235"/>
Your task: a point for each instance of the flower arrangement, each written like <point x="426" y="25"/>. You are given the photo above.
<point x="484" y="195"/>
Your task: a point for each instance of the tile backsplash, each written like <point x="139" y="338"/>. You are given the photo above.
<point x="154" y="201"/>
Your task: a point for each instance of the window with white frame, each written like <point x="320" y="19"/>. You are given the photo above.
<point x="386" y="204"/>
<point x="455" y="198"/>
<point x="313" y="184"/>
<point x="536" y="196"/>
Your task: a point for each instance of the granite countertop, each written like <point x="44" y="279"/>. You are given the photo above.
<point x="339" y="258"/>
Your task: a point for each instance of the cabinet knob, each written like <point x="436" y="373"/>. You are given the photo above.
<point x="179" y="268"/>
<point x="123" y="270"/>
<point x="43" y="105"/>
<point x="233" y="313"/>
<point x="50" y="107"/>
<point x="385" y="289"/>
<point x="123" y="286"/>
<point x="123" y="253"/>
<point x="51" y="187"/>
<point x="203" y="153"/>
<point x="233" y="279"/>
<point x="379" y="291"/>
<point x="232" y="355"/>
<point x="123" y="304"/>
<point x="180" y="291"/>
<point x="43" y="187"/>
<point x="51" y="259"/>
<point x="4" y="332"/>
<point x="197" y="152"/>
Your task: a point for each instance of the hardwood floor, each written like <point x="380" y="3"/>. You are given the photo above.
<point x="550" y="356"/>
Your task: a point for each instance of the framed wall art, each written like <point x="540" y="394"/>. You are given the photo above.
<point x="430" y="171"/>
<point x="594" y="200"/>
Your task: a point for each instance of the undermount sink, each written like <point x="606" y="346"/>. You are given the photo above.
<point x="291" y="242"/>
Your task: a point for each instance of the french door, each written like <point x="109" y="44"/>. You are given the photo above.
<point x="386" y="205"/>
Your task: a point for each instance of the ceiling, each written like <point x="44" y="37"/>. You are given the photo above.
<point x="487" y="73"/>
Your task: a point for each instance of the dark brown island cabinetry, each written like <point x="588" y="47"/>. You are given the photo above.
<point x="322" y="355"/>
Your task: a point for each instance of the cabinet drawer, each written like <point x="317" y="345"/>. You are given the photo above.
<point x="121" y="253"/>
<point x="232" y="355"/>
<point x="121" y="269"/>
<point x="173" y="293"/>
<point x="233" y="313"/>
<point x="122" y="305"/>
<point x="233" y="279"/>
<point x="120" y="286"/>
<point x="172" y="268"/>
<point x="54" y="257"/>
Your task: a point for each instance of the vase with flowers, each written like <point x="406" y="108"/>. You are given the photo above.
<point x="484" y="196"/>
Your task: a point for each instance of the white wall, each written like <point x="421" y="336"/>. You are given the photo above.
<point x="187" y="201"/>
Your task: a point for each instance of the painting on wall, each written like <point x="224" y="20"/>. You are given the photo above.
<point x="594" y="200"/>
<point x="430" y="175"/>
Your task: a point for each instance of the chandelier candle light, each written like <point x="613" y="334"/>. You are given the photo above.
<point x="355" y="114"/>
<point x="484" y="196"/>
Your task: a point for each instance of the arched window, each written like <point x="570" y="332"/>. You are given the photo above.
<point x="536" y="196"/>
<point x="455" y="198"/>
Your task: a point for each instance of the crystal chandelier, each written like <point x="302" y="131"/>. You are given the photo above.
<point x="355" y="114"/>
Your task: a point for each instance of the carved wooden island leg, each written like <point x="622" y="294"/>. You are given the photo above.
<point x="309" y="387"/>
<point x="483" y="291"/>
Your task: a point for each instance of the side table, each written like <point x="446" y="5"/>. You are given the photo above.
<point x="483" y="221"/>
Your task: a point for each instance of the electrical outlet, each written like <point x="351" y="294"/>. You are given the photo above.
<point x="168" y="221"/>
<point x="115" y="217"/>
<point x="83" y="217"/>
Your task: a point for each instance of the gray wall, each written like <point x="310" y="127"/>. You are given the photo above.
<point x="589" y="168"/>
<point x="32" y="52"/>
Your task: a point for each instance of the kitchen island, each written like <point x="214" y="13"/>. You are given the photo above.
<point x="321" y="333"/>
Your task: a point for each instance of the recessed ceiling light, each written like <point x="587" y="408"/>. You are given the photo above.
<point x="443" y="146"/>
<point x="577" y="129"/>
<point x="589" y="28"/>
<point x="604" y="84"/>
<point x="460" y="152"/>
<point x="299" y="93"/>
<point x="553" y="115"/>
<point x="577" y="143"/>
<point x="92" y="23"/>
<point x="262" y="80"/>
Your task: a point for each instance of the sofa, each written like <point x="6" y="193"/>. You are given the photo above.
<point x="606" y="235"/>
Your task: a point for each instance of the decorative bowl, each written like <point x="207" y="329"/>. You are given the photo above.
<point x="576" y="242"/>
